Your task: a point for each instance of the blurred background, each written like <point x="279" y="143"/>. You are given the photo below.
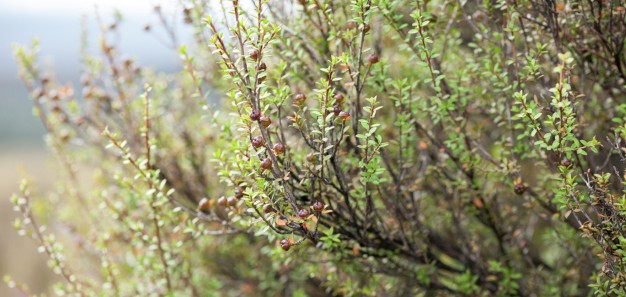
<point x="58" y="25"/>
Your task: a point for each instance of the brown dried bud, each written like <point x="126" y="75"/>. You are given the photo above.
<point x="255" y="115"/>
<point x="285" y="244"/>
<point x="300" y="98"/>
<point x="337" y="109"/>
<point x="261" y="67"/>
<point x="366" y="28"/>
<point x="258" y="141"/>
<point x="373" y="59"/>
<point x="232" y="201"/>
<point x="519" y="188"/>
<point x="344" y="115"/>
<point x="339" y="98"/>
<point x="253" y="54"/>
<point x="239" y="192"/>
<point x="310" y="157"/>
<point x="279" y="148"/>
<point x="222" y="201"/>
<point x="266" y="163"/>
<point x="204" y="205"/>
<point x="303" y="213"/>
<point x="268" y="209"/>
<point x="265" y="121"/>
<point x="318" y="207"/>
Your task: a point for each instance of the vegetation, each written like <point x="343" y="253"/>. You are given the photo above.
<point x="344" y="148"/>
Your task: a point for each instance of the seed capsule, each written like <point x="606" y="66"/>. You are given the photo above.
<point x="253" y="54"/>
<point x="318" y="206"/>
<point x="204" y="205"/>
<point x="222" y="201"/>
<point x="268" y="209"/>
<point x="258" y="141"/>
<point x="373" y="59"/>
<point x="337" y="109"/>
<point x="303" y="213"/>
<point x="279" y="148"/>
<point x="239" y="193"/>
<point x="255" y="115"/>
<point x="285" y="244"/>
<point x="265" y="121"/>
<point x="519" y="188"/>
<point x="339" y="98"/>
<point x="300" y="98"/>
<point x="261" y="67"/>
<point x="266" y="163"/>
<point x="344" y="115"/>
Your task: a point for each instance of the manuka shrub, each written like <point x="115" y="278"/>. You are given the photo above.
<point x="345" y="148"/>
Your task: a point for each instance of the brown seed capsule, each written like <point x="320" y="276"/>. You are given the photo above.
<point x="266" y="163"/>
<point x="310" y="157"/>
<point x="268" y="209"/>
<point x="222" y="201"/>
<point x="318" y="206"/>
<point x="285" y="244"/>
<point x="279" y="148"/>
<point x="519" y="188"/>
<point x="239" y="192"/>
<point x="261" y="67"/>
<point x="253" y="54"/>
<point x="366" y="28"/>
<point x="300" y="98"/>
<point x="337" y="109"/>
<point x="232" y="201"/>
<point x="265" y="121"/>
<point x="255" y="115"/>
<point x="344" y="115"/>
<point x="373" y="59"/>
<point x="204" y="205"/>
<point x="303" y="213"/>
<point x="339" y="98"/>
<point x="258" y="141"/>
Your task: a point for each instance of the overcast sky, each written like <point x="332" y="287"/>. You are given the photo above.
<point x="57" y="24"/>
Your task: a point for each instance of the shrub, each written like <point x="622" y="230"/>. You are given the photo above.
<point x="388" y="148"/>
